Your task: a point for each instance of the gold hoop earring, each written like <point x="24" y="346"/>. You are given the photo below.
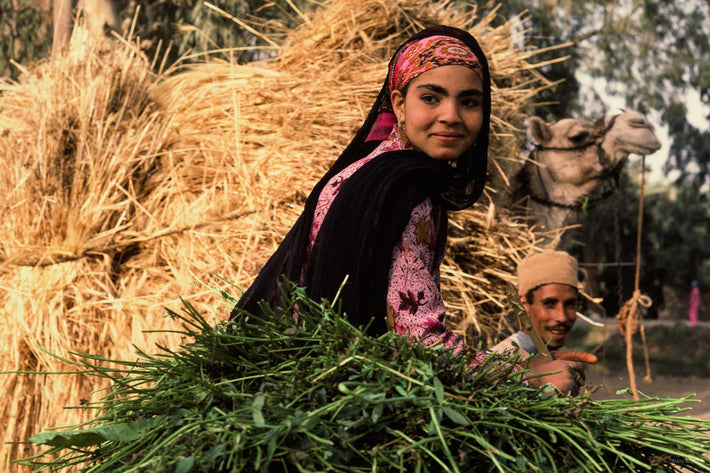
<point x="402" y="131"/>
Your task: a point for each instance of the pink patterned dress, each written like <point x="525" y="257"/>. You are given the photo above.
<point x="414" y="303"/>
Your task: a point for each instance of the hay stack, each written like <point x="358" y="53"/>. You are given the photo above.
<point x="121" y="190"/>
<point x="80" y="139"/>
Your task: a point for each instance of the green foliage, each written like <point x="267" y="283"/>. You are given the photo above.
<point x="186" y="29"/>
<point x="26" y="32"/>
<point x="239" y="30"/>
<point x="690" y="152"/>
<point x="545" y="29"/>
<point x="316" y="394"/>
<point x="650" y="53"/>
<point x="674" y="236"/>
<point x="684" y="216"/>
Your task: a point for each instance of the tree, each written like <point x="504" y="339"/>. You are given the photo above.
<point x="654" y="54"/>
<point x="192" y="27"/>
<point x="185" y="29"/>
<point x="62" y="24"/>
<point x="25" y="27"/>
<point x="674" y="235"/>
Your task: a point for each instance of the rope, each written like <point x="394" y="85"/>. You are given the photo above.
<point x="628" y="318"/>
<point x="583" y="203"/>
<point x="617" y="245"/>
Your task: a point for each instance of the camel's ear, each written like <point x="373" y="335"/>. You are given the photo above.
<point x="538" y="131"/>
<point x="599" y="125"/>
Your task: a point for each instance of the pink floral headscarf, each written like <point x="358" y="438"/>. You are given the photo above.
<point x="417" y="58"/>
<point x="429" y="53"/>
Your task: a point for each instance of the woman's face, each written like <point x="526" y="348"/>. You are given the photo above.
<point x="442" y="111"/>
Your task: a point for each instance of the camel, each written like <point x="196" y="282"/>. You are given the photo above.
<point x="570" y="161"/>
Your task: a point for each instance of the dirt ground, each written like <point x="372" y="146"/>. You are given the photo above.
<point x="662" y="386"/>
<point x="679" y="361"/>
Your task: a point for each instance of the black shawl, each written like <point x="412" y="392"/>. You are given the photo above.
<point x="369" y="214"/>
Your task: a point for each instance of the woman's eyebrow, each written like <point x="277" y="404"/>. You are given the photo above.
<point x="441" y="90"/>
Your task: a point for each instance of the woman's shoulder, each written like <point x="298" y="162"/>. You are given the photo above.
<point x="393" y="143"/>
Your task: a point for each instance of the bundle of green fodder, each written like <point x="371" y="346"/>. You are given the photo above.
<point x="121" y="188"/>
<point x="313" y="393"/>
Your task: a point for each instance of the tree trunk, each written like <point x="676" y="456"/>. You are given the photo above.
<point x="63" y="19"/>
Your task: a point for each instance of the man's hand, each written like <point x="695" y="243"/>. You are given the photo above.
<point x="565" y="372"/>
<point x="575" y="355"/>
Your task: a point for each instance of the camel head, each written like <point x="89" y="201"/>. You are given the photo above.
<point x="576" y="151"/>
<point x="572" y="158"/>
<point x="628" y="133"/>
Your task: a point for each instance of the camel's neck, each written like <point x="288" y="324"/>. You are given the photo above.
<point x="554" y="225"/>
<point x="568" y="188"/>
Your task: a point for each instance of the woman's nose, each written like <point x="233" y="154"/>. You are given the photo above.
<point x="450" y="112"/>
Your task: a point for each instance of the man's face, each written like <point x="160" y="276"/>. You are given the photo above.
<point x="553" y="312"/>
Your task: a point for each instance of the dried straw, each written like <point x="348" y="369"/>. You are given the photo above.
<point x="81" y="138"/>
<point x="122" y="189"/>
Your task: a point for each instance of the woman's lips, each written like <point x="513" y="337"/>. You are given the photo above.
<point x="447" y="136"/>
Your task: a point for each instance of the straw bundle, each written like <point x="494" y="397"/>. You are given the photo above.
<point x="80" y="139"/>
<point x="118" y="186"/>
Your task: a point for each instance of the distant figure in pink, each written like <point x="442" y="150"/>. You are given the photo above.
<point x="694" y="304"/>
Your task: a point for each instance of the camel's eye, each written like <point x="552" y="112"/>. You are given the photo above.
<point x="639" y="123"/>
<point x="579" y="137"/>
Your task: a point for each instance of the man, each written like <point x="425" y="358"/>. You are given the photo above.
<point x="547" y="287"/>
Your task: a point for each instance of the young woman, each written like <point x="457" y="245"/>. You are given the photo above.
<point x="379" y="215"/>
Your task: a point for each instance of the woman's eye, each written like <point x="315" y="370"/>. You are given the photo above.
<point x="428" y="98"/>
<point x="471" y="103"/>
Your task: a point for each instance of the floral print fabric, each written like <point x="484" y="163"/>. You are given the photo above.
<point x="414" y="303"/>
